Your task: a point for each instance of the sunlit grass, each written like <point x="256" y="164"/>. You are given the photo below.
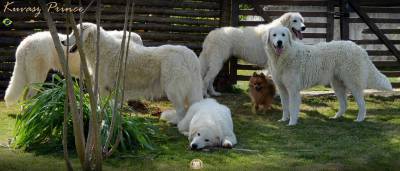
<point x="317" y="143"/>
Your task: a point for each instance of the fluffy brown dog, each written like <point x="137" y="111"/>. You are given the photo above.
<point x="262" y="92"/>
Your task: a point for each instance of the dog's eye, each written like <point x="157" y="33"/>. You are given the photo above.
<point x="274" y="35"/>
<point x="294" y="21"/>
<point x="283" y="34"/>
<point x="198" y="134"/>
<point x="206" y="140"/>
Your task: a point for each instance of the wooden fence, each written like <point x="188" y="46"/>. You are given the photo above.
<point x="329" y="10"/>
<point x="183" y="22"/>
<point x="187" y="22"/>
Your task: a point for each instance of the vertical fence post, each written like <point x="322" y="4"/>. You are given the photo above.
<point x="330" y="20"/>
<point x="344" y="20"/>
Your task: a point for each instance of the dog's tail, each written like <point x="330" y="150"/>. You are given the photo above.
<point x="376" y="80"/>
<point x="17" y="83"/>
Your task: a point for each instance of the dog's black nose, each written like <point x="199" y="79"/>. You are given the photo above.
<point x="63" y="42"/>
<point x="193" y="146"/>
<point x="303" y="28"/>
<point x="279" y="43"/>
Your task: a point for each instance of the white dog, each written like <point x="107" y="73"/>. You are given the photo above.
<point x="295" y="66"/>
<point x="151" y="72"/>
<point x="36" y="56"/>
<point x="208" y="124"/>
<point x="244" y="43"/>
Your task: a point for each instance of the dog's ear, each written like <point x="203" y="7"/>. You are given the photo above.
<point x="285" y="19"/>
<point x="262" y="74"/>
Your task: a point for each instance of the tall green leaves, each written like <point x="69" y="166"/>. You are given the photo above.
<point x="42" y="116"/>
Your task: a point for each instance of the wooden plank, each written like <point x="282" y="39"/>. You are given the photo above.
<point x="375" y="20"/>
<point x="379" y="53"/>
<point x="248" y="67"/>
<point x="386" y="64"/>
<point x="191" y="45"/>
<point x="243" y="77"/>
<point x="170" y="4"/>
<point x="289" y="2"/>
<point x="235" y="14"/>
<point x="391" y="73"/>
<point x="115" y="9"/>
<point x="384" y="31"/>
<point x="255" y="23"/>
<point x="7" y="66"/>
<point x="367" y="41"/>
<point x="396" y="85"/>
<point x="386" y="3"/>
<point x="7" y="58"/>
<point x="171" y="36"/>
<point x="233" y="63"/>
<point x="375" y="29"/>
<point x="381" y="9"/>
<point x="279" y="13"/>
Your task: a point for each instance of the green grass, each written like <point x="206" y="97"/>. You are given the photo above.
<point x="317" y="143"/>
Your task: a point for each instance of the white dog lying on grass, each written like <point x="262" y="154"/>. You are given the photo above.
<point x="151" y="72"/>
<point x="208" y="124"/>
<point x="295" y="66"/>
<point x="244" y="43"/>
<point x="36" y="56"/>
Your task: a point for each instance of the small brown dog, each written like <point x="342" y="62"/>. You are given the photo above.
<point x="262" y="92"/>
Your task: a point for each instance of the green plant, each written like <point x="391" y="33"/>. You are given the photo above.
<point x="40" y="122"/>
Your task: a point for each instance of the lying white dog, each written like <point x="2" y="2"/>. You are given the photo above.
<point x="295" y="66"/>
<point x="208" y="124"/>
<point x="36" y="56"/>
<point x="244" y="43"/>
<point x="151" y="72"/>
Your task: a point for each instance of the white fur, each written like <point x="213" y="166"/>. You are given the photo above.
<point x="36" y="56"/>
<point x="151" y="72"/>
<point x="342" y="63"/>
<point x="242" y="42"/>
<point x="208" y="120"/>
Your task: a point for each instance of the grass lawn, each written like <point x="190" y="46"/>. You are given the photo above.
<point x="316" y="143"/>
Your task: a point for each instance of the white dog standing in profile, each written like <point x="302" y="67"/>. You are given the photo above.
<point x="208" y="124"/>
<point x="151" y="72"/>
<point x="295" y="66"/>
<point x="36" y="56"/>
<point x="244" y="43"/>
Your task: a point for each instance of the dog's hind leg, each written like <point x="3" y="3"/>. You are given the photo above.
<point x="359" y="97"/>
<point x="340" y="92"/>
<point x="210" y="76"/>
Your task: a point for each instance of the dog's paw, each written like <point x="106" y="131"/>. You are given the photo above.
<point x="216" y="94"/>
<point x="359" y="120"/>
<point x="292" y="123"/>
<point x="227" y="144"/>
<point x="283" y="120"/>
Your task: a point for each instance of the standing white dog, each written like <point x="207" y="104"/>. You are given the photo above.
<point x="151" y="72"/>
<point x="295" y="66"/>
<point x="244" y="43"/>
<point x="208" y="124"/>
<point x="36" y="56"/>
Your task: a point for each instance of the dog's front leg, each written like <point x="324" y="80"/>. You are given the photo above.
<point x="294" y="106"/>
<point x="284" y="102"/>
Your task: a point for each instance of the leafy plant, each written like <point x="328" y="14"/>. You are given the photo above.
<point x="40" y="122"/>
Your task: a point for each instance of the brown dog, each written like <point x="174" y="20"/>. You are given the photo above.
<point x="262" y="92"/>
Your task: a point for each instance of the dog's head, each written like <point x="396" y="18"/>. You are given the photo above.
<point x="204" y="137"/>
<point x="277" y="39"/>
<point x="87" y="32"/>
<point x="260" y="82"/>
<point x="295" y="22"/>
